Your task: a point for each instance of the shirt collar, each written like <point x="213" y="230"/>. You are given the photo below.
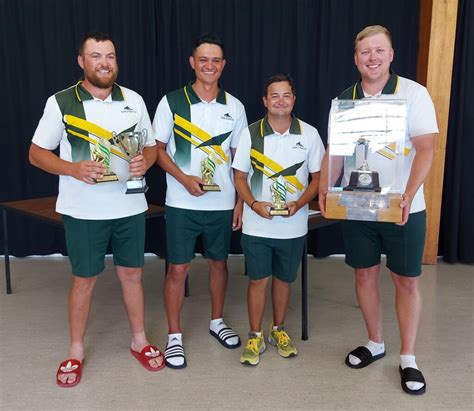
<point x="266" y="128"/>
<point x="83" y="95"/>
<point x="193" y="98"/>
<point x="390" y="88"/>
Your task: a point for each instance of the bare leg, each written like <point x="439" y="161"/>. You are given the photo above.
<point x="256" y="302"/>
<point x="80" y="297"/>
<point x="280" y="297"/>
<point x="174" y="295"/>
<point x="408" y="305"/>
<point x="217" y="287"/>
<point x="368" y="295"/>
<point x="132" y="292"/>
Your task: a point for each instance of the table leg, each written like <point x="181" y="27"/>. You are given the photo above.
<point x="6" y="252"/>
<point x="304" y="292"/>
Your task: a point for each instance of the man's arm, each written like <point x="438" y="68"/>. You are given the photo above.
<point x="239" y="205"/>
<point x="85" y="171"/>
<point x="191" y="183"/>
<point x="420" y="168"/>
<point x="243" y="189"/>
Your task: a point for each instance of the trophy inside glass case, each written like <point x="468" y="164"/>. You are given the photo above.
<point x="366" y="153"/>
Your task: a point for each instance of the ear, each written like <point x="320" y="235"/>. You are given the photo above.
<point x="80" y="61"/>
<point x="191" y="61"/>
<point x="392" y="54"/>
<point x="223" y="63"/>
<point x="355" y="58"/>
<point x="264" y="99"/>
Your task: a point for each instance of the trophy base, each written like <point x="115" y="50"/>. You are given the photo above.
<point x="364" y="206"/>
<point x="136" y="187"/>
<point x="210" y="187"/>
<point x="279" y="211"/>
<point x="107" y="178"/>
<point x="363" y="181"/>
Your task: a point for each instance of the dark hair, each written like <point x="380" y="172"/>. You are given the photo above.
<point x="208" y="38"/>
<point x="277" y="78"/>
<point x="94" y="35"/>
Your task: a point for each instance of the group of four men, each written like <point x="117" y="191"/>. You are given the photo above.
<point x="196" y="123"/>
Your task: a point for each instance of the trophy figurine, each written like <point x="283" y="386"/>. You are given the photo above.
<point x="364" y="179"/>
<point x="101" y="153"/>
<point x="132" y="144"/>
<point x="278" y="190"/>
<point x="208" y="167"/>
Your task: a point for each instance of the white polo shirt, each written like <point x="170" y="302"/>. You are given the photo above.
<point x="262" y="153"/>
<point x="187" y="124"/>
<point x="74" y="120"/>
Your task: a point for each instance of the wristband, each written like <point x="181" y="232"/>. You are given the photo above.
<point x="253" y="202"/>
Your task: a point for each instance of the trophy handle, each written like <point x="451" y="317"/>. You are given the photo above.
<point x="115" y="138"/>
<point x="143" y="139"/>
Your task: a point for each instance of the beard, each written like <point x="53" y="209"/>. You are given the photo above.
<point x="101" y="82"/>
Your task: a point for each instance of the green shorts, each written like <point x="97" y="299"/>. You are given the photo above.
<point x="271" y="256"/>
<point x="87" y="242"/>
<point x="365" y="241"/>
<point x="184" y="226"/>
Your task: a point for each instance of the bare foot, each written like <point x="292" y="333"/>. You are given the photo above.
<point x="156" y="359"/>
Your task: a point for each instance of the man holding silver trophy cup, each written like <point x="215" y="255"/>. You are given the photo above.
<point x="92" y="182"/>
<point x="274" y="159"/>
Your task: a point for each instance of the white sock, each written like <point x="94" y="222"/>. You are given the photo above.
<point x="409" y="361"/>
<point x="175" y="339"/>
<point x="257" y="333"/>
<point x="374" y="347"/>
<point x="218" y="324"/>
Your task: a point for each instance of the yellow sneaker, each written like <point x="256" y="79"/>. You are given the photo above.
<point x="282" y="341"/>
<point x="254" y="347"/>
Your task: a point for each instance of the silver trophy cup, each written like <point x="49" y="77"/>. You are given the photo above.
<point x="132" y="144"/>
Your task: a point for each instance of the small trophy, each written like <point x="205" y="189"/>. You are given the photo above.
<point x="363" y="179"/>
<point x="278" y="190"/>
<point x="208" y="167"/>
<point x="101" y="153"/>
<point x="132" y="144"/>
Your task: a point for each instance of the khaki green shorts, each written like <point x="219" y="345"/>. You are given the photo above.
<point x="184" y="226"/>
<point x="365" y="241"/>
<point x="87" y="242"/>
<point x="271" y="256"/>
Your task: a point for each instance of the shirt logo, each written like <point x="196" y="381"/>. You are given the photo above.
<point x="300" y="146"/>
<point x="127" y="109"/>
<point x="227" y="116"/>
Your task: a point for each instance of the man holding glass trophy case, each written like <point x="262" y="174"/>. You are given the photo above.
<point x="274" y="159"/>
<point x="197" y="129"/>
<point x="93" y="173"/>
<point x="402" y="243"/>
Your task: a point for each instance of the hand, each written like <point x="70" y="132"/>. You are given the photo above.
<point x="262" y="208"/>
<point x="137" y="166"/>
<point x="237" y="217"/>
<point x="405" y="204"/>
<point x="88" y="171"/>
<point x="191" y="183"/>
<point x="293" y="207"/>
<point x="322" y="201"/>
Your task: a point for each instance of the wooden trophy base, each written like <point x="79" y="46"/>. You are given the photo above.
<point x="210" y="187"/>
<point x="107" y="178"/>
<point x="279" y="211"/>
<point x="364" y="206"/>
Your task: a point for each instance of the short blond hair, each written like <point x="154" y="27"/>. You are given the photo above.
<point x="372" y="31"/>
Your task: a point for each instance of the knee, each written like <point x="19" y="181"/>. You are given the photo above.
<point x="406" y="285"/>
<point x="177" y="273"/>
<point x="82" y="285"/>
<point x="258" y="284"/>
<point x="129" y="274"/>
<point x="365" y="277"/>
